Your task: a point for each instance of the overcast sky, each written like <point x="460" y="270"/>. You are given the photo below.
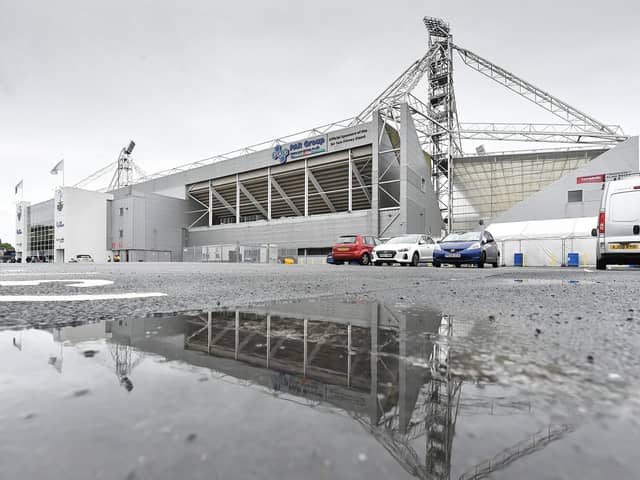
<point x="187" y="80"/>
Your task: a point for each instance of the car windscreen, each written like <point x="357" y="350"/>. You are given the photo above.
<point x="347" y="239"/>
<point x="463" y="237"/>
<point x="405" y="239"/>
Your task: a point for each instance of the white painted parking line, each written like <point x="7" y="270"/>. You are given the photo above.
<point x="42" y="274"/>
<point x="80" y="283"/>
<point x="78" y="298"/>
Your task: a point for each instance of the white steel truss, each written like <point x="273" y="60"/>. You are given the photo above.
<point x="532" y="93"/>
<point x="329" y="127"/>
<point x="540" y="132"/>
<point x="436" y="120"/>
<point x="401" y="86"/>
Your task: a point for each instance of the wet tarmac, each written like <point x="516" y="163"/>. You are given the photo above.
<point x="317" y="389"/>
<point x="274" y="371"/>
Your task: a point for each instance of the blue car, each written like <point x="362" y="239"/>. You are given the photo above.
<point x="475" y="248"/>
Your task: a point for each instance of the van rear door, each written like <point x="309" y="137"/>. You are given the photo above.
<point x="622" y="222"/>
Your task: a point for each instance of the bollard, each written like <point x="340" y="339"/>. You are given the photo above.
<point x="518" y="260"/>
<point x="574" y="260"/>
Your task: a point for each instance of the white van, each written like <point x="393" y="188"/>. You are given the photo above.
<point x="618" y="229"/>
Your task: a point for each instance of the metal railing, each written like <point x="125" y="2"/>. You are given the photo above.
<point x="253" y="253"/>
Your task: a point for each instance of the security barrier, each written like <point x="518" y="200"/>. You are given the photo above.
<point x="549" y="252"/>
<point x="263" y="253"/>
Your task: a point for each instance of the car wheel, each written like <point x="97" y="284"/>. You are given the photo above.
<point x="483" y="259"/>
<point x="601" y="264"/>
<point x="377" y="264"/>
<point x="337" y="262"/>
<point x="436" y="264"/>
<point x="495" y="265"/>
<point x="457" y="265"/>
<point x="404" y="264"/>
<point x="365" y="259"/>
<point x="415" y="260"/>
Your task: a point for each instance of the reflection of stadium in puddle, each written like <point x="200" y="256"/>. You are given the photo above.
<point x="387" y="369"/>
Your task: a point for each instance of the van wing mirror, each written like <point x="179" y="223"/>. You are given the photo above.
<point x="594" y="232"/>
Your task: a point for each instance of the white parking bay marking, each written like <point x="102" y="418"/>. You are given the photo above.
<point x="40" y="274"/>
<point x="80" y="283"/>
<point x="78" y="298"/>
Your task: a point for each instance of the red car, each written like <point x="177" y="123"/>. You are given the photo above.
<point x="353" y="248"/>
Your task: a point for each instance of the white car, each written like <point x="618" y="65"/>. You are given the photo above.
<point x="405" y="250"/>
<point x="81" y="259"/>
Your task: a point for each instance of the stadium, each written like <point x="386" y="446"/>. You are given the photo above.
<point x="396" y="167"/>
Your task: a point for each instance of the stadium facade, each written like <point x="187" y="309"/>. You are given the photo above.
<point x="373" y="179"/>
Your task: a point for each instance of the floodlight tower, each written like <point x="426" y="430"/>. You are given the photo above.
<point x="123" y="175"/>
<point x="445" y="142"/>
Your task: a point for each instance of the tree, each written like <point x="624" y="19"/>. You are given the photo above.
<point x="7" y="247"/>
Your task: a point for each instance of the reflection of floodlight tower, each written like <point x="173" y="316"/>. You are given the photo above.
<point x="445" y="143"/>
<point x="125" y="359"/>
<point x="434" y="416"/>
<point x="123" y="175"/>
<point x="443" y="393"/>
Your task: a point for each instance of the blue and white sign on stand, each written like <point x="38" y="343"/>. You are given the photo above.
<point x="301" y="149"/>
<point x="280" y="153"/>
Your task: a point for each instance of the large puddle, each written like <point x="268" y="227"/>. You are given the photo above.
<point x="301" y="390"/>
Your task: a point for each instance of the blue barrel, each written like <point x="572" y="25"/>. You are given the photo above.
<point x="574" y="260"/>
<point x="518" y="259"/>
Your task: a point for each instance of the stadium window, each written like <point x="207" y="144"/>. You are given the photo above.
<point x="121" y="211"/>
<point x="574" y="196"/>
<point x="121" y="233"/>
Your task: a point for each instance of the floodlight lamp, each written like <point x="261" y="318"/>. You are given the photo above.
<point x="130" y="147"/>
<point x="436" y="26"/>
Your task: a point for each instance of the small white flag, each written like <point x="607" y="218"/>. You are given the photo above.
<point x="19" y="186"/>
<point x="59" y="167"/>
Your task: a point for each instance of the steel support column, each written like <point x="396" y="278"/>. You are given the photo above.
<point x="375" y="152"/>
<point x="210" y="205"/>
<point x="349" y="355"/>
<point x="209" y="331"/>
<point x="237" y="343"/>
<point x="450" y="125"/>
<point x="268" y="338"/>
<point x="374" y="413"/>
<point x="306" y="331"/>
<point x="237" y="198"/>
<point x="306" y="187"/>
<point x="350" y="182"/>
<point x="269" y="193"/>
